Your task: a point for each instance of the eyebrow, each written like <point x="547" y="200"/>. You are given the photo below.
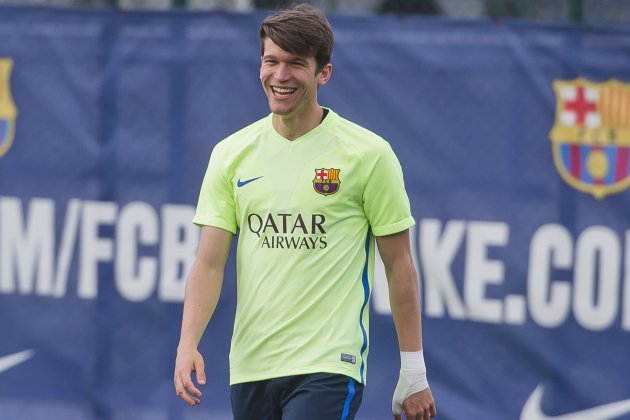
<point x="293" y="58"/>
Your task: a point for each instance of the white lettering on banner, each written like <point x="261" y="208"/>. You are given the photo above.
<point x="596" y="305"/>
<point x="177" y="252"/>
<point x="93" y="248"/>
<point x="136" y="276"/>
<point x="68" y="237"/>
<point x="436" y="258"/>
<point x="437" y="254"/>
<point x="551" y="248"/>
<point x="593" y="296"/>
<point x="150" y="251"/>
<point x="597" y="277"/>
<point x="480" y="272"/>
<point x="27" y="248"/>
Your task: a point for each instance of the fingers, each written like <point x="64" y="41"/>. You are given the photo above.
<point x="420" y="406"/>
<point x="186" y="389"/>
<point x="420" y="414"/>
<point x="423" y="415"/>
<point x="184" y="386"/>
<point x="200" y="370"/>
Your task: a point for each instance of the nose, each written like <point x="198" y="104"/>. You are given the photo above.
<point x="282" y="72"/>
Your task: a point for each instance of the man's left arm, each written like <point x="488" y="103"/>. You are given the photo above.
<point x="412" y="395"/>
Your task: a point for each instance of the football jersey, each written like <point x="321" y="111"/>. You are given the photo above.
<point x="306" y="212"/>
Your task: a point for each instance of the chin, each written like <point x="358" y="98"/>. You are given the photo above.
<point x="281" y="110"/>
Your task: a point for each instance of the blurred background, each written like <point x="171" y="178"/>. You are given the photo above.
<point x="544" y="10"/>
<point x="511" y="120"/>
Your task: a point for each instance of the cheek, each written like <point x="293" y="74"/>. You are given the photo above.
<point x="264" y="73"/>
<point x="265" y="76"/>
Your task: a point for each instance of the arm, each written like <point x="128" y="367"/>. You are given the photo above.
<point x="203" y="288"/>
<point x="404" y="300"/>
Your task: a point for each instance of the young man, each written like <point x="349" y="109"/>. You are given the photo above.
<point x="308" y="192"/>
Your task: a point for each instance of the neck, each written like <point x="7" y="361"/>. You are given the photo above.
<point x="292" y="127"/>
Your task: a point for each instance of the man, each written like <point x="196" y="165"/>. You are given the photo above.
<point x="307" y="191"/>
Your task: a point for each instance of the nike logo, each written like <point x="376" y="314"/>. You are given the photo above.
<point x="240" y="183"/>
<point x="12" y="360"/>
<point x="532" y="410"/>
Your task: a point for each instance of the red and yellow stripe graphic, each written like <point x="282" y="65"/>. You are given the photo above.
<point x="614" y="105"/>
<point x="333" y="174"/>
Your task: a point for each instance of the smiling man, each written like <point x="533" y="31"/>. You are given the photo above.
<point x="309" y="193"/>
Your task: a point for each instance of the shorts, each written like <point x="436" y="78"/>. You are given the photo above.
<point x="317" y="396"/>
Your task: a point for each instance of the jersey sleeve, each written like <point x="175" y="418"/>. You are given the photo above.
<point x="385" y="200"/>
<point x="216" y="206"/>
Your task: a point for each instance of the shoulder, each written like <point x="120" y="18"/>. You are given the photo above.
<point x="242" y="137"/>
<point x="228" y="150"/>
<point x="362" y="141"/>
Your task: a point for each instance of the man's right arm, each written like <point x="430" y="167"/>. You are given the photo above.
<point x="203" y="289"/>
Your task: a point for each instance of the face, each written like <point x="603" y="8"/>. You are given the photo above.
<point x="290" y="81"/>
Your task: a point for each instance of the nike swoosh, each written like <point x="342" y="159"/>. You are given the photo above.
<point x="12" y="360"/>
<point x="240" y="183"/>
<point x="532" y="410"/>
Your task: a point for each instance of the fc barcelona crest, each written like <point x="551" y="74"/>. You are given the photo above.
<point x="591" y="135"/>
<point x="326" y="181"/>
<point x="8" y="111"/>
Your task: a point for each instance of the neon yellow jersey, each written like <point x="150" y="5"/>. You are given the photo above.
<point x="306" y="212"/>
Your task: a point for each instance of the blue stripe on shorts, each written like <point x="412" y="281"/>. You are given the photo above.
<point x="346" y="406"/>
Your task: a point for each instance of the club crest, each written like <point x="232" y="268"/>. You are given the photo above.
<point x="591" y="135"/>
<point x="326" y="181"/>
<point x="8" y="111"/>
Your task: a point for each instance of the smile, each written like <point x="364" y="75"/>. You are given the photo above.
<point x="278" y="91"/>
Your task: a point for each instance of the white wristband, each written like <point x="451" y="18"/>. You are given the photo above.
<point x="412" y="379"/>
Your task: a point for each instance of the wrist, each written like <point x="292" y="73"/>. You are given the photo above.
<point x="412" y="379"/>
<point x="414" y="370"/>
<point x="412" y="361"/>
<point x="187" y="345"/>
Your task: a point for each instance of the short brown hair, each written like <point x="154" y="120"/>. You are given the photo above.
<point x="302" y="30"/>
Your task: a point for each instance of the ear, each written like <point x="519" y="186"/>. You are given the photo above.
<point x="325" y="74"/>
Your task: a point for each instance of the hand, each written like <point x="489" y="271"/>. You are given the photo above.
<point x="418" y="406"/>
<point x="187" y="362"/>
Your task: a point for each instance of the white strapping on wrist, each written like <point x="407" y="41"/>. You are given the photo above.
<point x="412" y="379"/>
<point x="412" y="361"/>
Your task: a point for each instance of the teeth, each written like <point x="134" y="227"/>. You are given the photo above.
<point x="283" y="91"/>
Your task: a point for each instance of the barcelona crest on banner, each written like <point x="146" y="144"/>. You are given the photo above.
<point x="591" y="135"/>
<point x="8" y="111"/>
<point x="326" y="181"/>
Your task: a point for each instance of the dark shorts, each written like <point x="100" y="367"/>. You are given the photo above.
<point x="317" y="396"/>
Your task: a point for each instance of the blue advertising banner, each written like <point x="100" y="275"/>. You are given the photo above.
<point x="514" y="138"/>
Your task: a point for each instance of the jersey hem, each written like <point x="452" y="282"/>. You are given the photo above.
<point x="204" y="221"/>
<point x="394" y="228"/>
<point x="280" y="373"/>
